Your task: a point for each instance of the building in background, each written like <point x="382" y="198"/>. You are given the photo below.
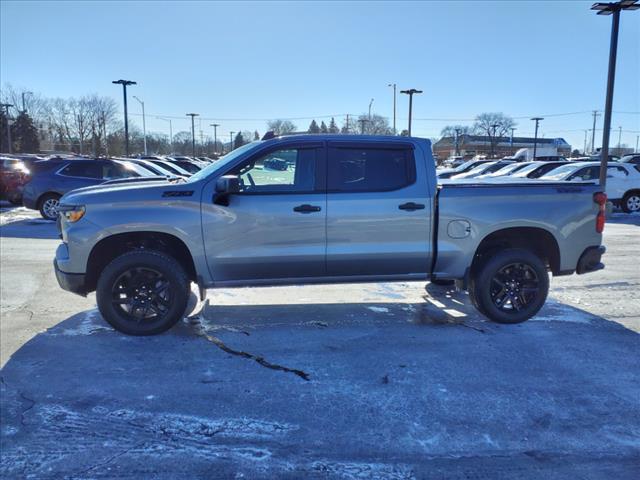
<point x="471" y="145"/>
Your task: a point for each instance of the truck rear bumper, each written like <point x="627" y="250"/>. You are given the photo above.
<point x="590" y="260"/>
<point x="71" y="282"/>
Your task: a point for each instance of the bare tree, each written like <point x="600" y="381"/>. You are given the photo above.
<point x="494" y="126"/>
<point x="374" y="125"/>
<point x="281" y="127"/>
<point x="450" y="130"/>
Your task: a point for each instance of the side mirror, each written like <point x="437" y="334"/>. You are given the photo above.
<point x="228" y="184"/>
<point x="225" y="186"/>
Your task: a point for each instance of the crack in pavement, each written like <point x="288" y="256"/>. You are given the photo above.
<point x="107" y="461"/>
<point x="201" y="331"/>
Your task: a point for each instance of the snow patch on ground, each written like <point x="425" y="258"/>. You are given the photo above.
<point x="10" y="215"/>
<point x="92" y="323"/>
<point x="369" y="471"/>
<point x="379" y="309"/>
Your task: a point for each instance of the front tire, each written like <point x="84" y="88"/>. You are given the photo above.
<point x="511" y="286"/>
<point x="631" y="202"/>
<point x="48" y="206"/>
<point x="143" y="292"/>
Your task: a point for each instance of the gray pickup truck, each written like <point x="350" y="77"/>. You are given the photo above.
<point x="308" y="209"/>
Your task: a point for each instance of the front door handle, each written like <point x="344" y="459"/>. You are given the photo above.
<point x="306" y="208"/>
<point x="411" y="206"/>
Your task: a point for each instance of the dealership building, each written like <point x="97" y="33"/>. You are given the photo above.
<point x="470" y="145"/>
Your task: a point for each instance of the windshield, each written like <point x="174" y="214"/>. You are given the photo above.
<point x="142" y="171"/>
<point x="523" y="172"/>
<point x="508" y="170"/>
<point x="560" y="172"/>
<point x="224" y="161"/>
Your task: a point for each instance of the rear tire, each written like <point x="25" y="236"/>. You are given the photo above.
<point x="48" y="206"/>
<point x="511" y="286"/>
<point x="143" y="292"/>
<point x="631" y="202"/>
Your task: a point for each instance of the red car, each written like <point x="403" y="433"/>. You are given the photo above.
<point x="13" y="176"/>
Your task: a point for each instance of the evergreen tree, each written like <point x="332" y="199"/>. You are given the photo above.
<point x="238" y="141"/>
<point x="256" y="135"/>
<point x="313" y="127"/>
<point x="333" y="128"/>
<point x="25" y="134"/>
<point x="323" y="128"/>
<point x="4" y="144"/>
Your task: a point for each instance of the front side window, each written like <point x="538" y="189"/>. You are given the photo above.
<point x="290" y="170"/>
<point x="113" y="171"/>
<point x="587" y="173"/>
<point x="370" y="169"/>
<point x="82" y="169"/>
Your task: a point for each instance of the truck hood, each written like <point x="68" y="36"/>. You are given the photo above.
<point x="126" y="191"/>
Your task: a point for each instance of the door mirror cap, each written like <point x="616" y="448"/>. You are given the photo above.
<point x="228" y="184"/>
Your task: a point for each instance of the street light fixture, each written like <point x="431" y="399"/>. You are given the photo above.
<point x="170" y="131"/>
<point x="144" y="125"/>
<point x="125" y="84"/>
<point x="215" y="136"/>
<point x="394" y="106"/>
<point x="193" y="132"/>
<point x="411" y="92"/>
<point x="535" y="137"/>
<point x="610" y="9"/>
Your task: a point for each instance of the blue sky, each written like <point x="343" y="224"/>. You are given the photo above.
<point x="261" y="60"/>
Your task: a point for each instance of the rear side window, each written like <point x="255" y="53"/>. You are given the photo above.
<point x="82" y="169"/>
<point x="370" y="169"/>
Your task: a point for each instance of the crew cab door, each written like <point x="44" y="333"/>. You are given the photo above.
<point x="378" y="210"/>
<point x="275" y="227"/>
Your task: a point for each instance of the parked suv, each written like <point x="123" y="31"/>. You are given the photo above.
<point x="53" y="178"/>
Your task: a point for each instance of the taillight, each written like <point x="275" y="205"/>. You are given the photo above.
<point x="601" y="199"/>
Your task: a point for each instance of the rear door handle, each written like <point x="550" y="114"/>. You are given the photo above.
<point x="411" y="206"/>
<point x="306" y="208"/>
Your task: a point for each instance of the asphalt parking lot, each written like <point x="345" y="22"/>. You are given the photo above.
<point x="383" y="381"/>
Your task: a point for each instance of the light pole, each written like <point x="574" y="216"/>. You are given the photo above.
<point x="124" y="84"/>
<point x="144" y="125"/>
<point x="6" y="107"/>
<point x="458" y="141"/>
<point x="492" y="139"/>
<point x="170" y="132"/>
<point x="610" y="9"/>
<point x="370" y="103"/>
<point x="513" y="129"/>
<point x="215" y="136"/>
<point x="411" y="92"/>
<point x="24" y="108"/>
<point x="193" y="132"/>
<point x="362" y="121"/>
<point x="585" y="142"/>
<point x="535" y="137"/>
<point x="593" y="130"/>
<point x="394" y="107"/>
<point x="231" y="142"/>
<point x="619" y="140"/>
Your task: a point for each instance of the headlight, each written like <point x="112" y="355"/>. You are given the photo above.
<point x="72" y="213"/>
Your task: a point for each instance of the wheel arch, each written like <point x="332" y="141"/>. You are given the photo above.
<point x="539" y="241"/>
<point x="108" y="248"/>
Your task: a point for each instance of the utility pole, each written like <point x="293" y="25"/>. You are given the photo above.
<point x="144" y="125"/>
<point x="535" y="137"/>
<point x="231" y="142"/>
<point x="370" y="103"/>
<point x="593" y="131"/>
<point x="24" y="108"/>
<point x="511" y="140"/>
<point x="610" y="9"/>
<point x="215" y="136"/>
<point x="411" y="92"/>
<point x="170" y="132"/>
<point x="193" y="132"/>
<point x="619" y="140"/>
<point x="395" y="132"/>
<point x="458" y="141"/>
<point x="6" y="107"/>
<point x="585" y="142"/>
<point x="492" y="138"/>
<point x="347" y="123"/>
<point x="125" y="84"/>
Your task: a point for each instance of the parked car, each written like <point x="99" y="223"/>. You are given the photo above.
<point x="172" y="167"/>
<point x="157" y="169"/>
<point x="276" y="164"/>
<point x="184" y="163"/>
<point x="596" y="158"/>
<point x="354" y="208"/>
<point x="465" y="167"/>
<point x="537" y="169"/>
<point x="506" y="171"/>
<point x="13" y="175"/>
<point x="623" y="181"/>
<point x="634" y="158"/>
<point x="53" y="178"/>
<point x="483" y="169"/>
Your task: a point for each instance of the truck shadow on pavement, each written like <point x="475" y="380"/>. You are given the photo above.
<point x="342" y="390"/>
<point x="37" y="228"/>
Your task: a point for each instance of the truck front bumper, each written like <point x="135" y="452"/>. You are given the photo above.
<point x="71" y="282"/>
<point x="590" y="260"/>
